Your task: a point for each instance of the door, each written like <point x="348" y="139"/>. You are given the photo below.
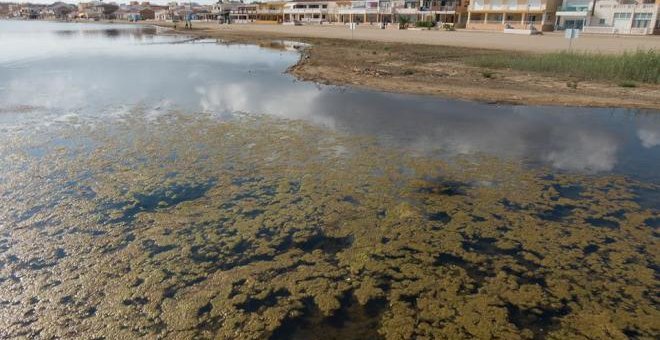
<point x="621" y="21"/>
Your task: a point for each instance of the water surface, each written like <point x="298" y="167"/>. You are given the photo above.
<point x="154" y="185"/>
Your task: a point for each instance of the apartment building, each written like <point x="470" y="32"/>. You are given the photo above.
<point x="637" y="17"/>
<point x="270" y="12"/>
<point x="375" y="11"/>
<point x="515" y="14"/>
<point x="309" y="11"/>
<point x="592" y="16"/>
<point x="442" y="11"/>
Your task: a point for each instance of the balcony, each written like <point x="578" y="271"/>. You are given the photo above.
<point x="508" y="8"/>
<point x="573" y="11"/>
<point x="449" y="8"/>
<point x="407" y="11"/>
<point x="362" y="10"/>
<point x="305" y="10"/>
<point x="269" y="11"/>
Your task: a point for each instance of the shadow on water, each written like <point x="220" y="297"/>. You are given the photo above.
<point x="539" y="320"/>
<point x="252" y="305"/>
<point x="569" y="191"/>
<point x="602" y="222"/>
<point x="350" y="321"/>
<point x="557" y="213"/>
<point x="653" y="222"/>
<point x="648" y="198"/>
<point x="445" y="188"/>
<point x="162" y="198"/>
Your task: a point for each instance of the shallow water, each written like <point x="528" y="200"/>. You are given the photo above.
<point x="156" y="186"/>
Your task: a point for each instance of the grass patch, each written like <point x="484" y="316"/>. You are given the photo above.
<point x="640" y="66"/>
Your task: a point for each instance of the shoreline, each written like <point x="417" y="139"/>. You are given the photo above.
<point x="430" y="70"/>
<point x="424" y="69"/>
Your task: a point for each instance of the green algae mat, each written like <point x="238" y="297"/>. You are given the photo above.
<point x="188" y="226"/>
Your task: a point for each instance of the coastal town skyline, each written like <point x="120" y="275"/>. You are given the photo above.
<point x="157" y="2"/>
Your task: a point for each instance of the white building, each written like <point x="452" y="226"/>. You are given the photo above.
<point x="309" y="11"/>
<point x="610" y="16"/>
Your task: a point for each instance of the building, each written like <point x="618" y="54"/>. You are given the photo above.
<point x="271" y="12"/>
<point x="147" y="14"/>
<point x="497" y="15"/>
<point x="243" y="13"/>
<point x="452" y="12"/>
<point x="309" y="11"/>
<point x="610" y="16"/>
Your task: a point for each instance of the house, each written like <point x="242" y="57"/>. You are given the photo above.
<point x="359" y="11"/>
<point x="309" y="11"/>
<point x="515" y="14"/>
<point x="574" y="14"/>
<point x="147" y="14"/>
<point x="30" y="11"/>
<point x="243" y="13"/>
<point x="163" y="15"/>
<point x="611" y="16"/>
<point x="270" y="12"/>
<point x="452" y="12"/>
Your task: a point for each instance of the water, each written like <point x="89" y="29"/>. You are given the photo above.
<point x="163" y="186"/>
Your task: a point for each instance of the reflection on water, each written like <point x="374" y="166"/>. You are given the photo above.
<point x="87" y="75"/>
<point x="153" y="186"/>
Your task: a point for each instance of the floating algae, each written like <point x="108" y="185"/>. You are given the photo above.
<point x="186" y="226"/>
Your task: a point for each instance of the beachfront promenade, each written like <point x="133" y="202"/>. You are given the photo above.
<point x="547" y="42"/>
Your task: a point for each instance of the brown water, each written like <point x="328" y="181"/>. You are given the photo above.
<point x="191" y="190"/>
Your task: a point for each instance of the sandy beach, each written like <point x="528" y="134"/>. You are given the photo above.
<point x="548" y="42"/>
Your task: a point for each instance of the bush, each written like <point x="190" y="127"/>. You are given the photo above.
<point x="627" y="84"/>
<point x="640" y="66"/>
<point x="403" y="22"/>
<point x="425" y="24"/>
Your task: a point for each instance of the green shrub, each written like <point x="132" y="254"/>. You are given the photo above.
<point x="487" y="74"/>
<point x="425" y="24"/>
<point x="403" y="21"/>
<point x="627" y="84"/>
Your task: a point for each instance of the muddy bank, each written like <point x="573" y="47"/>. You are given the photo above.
<point x="435" y="70"/>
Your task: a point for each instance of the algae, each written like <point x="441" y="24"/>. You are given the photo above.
<point x="186" y="226"/>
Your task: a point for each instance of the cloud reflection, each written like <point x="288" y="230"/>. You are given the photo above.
<point x="226" y="79"/>
<point x="649" y="131"/>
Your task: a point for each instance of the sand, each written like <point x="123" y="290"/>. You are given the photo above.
<point x="547" y="42"/>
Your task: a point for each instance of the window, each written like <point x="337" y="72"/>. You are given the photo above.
<point x="324" y="6"/>
<point x="621" y="16"/>
<point x="601" y="21"/>
<point x="641" y="20"/>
